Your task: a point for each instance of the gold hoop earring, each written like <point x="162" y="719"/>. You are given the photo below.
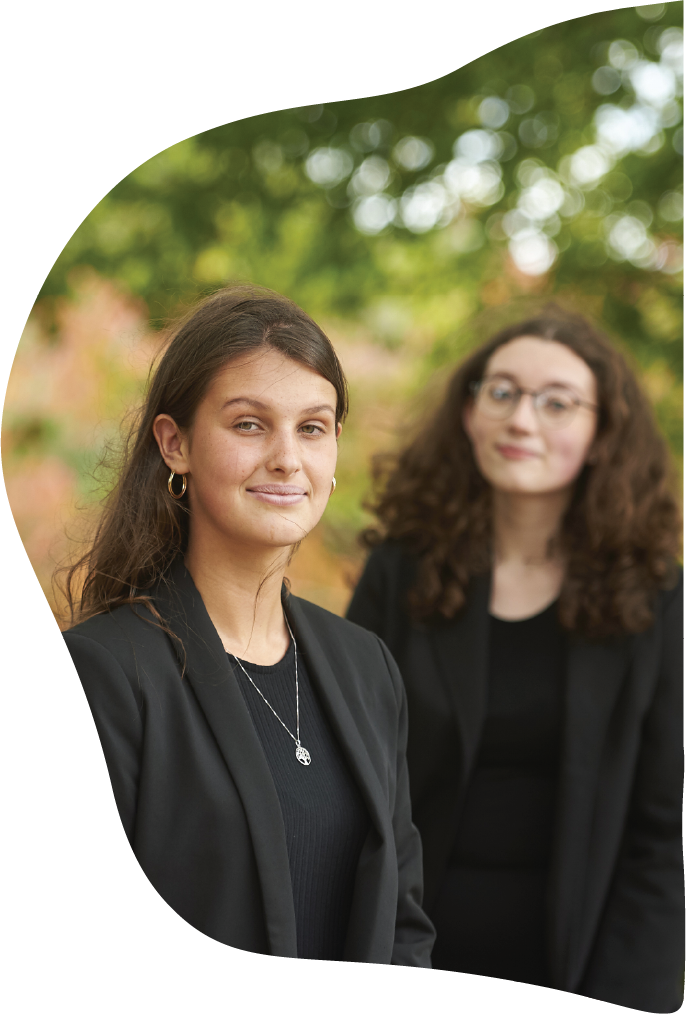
<point x="184" y="484"/>
<point x="333" y="485"/>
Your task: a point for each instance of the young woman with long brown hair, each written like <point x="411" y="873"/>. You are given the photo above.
<point x="524" y="577"/>
<point x="255" y="742"/>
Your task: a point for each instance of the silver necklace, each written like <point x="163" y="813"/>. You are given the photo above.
<point x="301" y="753"/>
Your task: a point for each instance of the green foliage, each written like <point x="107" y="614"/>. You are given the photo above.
<point x="579" y="115"/>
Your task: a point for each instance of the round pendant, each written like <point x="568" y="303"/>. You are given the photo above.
<point x="303" y="755"/>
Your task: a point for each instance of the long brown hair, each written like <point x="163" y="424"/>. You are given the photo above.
<point x="619" y="536"/>
<point x="141" y="529"/>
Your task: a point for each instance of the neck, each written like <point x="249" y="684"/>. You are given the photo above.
<point x="241" y="590"/>
<point x="524" y="526"/>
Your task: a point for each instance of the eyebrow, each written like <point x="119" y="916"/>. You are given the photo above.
<point x="266" y="408"/>
<point x="570" y="386"/>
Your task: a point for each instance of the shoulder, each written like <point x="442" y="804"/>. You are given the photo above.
<point x="121" y="624"/>
<point x="393" y="553"/>
<point x="124" y="639"/>
<point x="361" y="660"/>
<point x="361" y="650"/>
<point x="330" y="625"/>
<point x="391" y="563"/>
<point x="106" y="626"/>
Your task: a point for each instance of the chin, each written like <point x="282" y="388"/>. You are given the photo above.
<point x="287" y="536"/>
<point x="517" y="484"/>
<point x="528" y="489"/>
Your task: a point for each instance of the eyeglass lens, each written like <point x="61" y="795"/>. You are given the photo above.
<point x="499" y="397"/>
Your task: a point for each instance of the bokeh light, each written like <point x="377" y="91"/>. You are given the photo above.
<point x="328" y="166"/>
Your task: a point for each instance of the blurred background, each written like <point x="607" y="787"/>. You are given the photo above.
<point x="410" y="226"/>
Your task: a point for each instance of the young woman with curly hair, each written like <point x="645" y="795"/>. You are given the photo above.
<point x="524" y="577"/>
<point x="255" y="742"/>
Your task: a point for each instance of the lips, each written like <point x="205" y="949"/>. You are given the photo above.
<point x="514" y="453"/>
<point x="278" y="494"/>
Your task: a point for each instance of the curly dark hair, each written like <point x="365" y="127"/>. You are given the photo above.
<point x="620" y="534"/>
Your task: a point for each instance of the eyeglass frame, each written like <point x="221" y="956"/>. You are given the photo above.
<point x="476" y="385"/>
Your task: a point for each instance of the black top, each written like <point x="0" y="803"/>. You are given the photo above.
<point x="324" y="816"/>
<point x="490" y="914"/>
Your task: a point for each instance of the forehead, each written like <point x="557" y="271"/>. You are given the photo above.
<point x="535" y="362"/>
<point x="269" y="376"/>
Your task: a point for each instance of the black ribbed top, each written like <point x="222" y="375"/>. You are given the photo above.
<point x="324" y="816"/>
<point x="491" y="913"/>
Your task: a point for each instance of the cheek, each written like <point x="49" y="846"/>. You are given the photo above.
<point x="567" y="454"/>
<point x="318" y="464"/>
<point x="321" y="468"/>
<point x="481" y="434"/>
<point x="218" y="461"/>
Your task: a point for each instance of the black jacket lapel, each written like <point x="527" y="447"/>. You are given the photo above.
<point x="220" y="697"/>
<point x="457" y="651"/>
<point x="461" y="650"/>
<point x="328" y="674"/>
<point x="595" y="673"/>
<point x="345" y="728"/>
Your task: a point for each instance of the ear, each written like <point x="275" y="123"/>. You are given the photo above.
<point x="172" y="443"/>
<point x="339" y="430"/>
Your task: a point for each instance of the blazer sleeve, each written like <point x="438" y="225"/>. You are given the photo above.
<point x="108" y="743"/>
<point x="638" y="957"/>
<point x="414" y="932"/>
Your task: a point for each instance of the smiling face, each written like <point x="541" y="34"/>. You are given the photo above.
<point x="260" y="455"/>
<point x="520" y="454"/>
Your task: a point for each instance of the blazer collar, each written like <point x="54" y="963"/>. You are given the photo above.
<point x="461" y="650"/>
<point x="208" y="670"/>
<point x="329" y="684"/>
<point x="376" y="879"/>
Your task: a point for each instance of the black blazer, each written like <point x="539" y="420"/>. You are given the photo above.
<point x="194" y="790"/>
<point x="616" y="887"/>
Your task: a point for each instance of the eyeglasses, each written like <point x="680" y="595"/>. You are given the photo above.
<point x="498" y="397"/>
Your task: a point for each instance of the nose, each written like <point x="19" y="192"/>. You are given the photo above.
<point x="524" y="418"/>
<point x="283" y="454"/>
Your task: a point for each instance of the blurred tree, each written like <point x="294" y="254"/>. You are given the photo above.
<point x="547" y="168"/>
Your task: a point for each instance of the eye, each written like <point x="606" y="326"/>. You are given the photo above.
<point x="557" y="403"/>
<point x="500" y="392"/>
<point x="247" y="426"/>
<point x="311" y="429"/>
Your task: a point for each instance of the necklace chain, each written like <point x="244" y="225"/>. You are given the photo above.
<point x="301" y="753"/>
